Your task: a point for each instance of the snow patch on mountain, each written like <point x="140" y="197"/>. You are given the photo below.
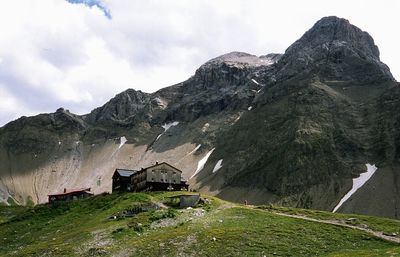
<point x="217" y="166"/>
<point x="358" y="183"/>
<point x="122" y="141"/>
<point x="255" y="81"/>
<point x="167" y="126"/>
<point x="202" y="162"/>
<point x="205" y="127"/>
<point x="194" y="150"/>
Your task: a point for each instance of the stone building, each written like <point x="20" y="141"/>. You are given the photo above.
<point x="159" y="177"/>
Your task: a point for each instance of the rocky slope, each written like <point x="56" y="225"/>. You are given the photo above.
<point x="292" y="129"/>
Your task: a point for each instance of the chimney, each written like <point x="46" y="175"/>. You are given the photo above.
<point x="65" y="190"/>
<point x="156" y="163"/>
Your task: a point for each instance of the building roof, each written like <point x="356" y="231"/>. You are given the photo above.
<point x="70" y="191"/>
<point x="125" y="173"/>
<point x="158" y="164"/>
<point x="184" y="195"/>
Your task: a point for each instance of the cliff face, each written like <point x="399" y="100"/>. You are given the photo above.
<point x="315" y="121"/>
<point x="292" y="129"/>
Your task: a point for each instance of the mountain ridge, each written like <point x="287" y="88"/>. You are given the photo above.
<point x="292" y="129"/>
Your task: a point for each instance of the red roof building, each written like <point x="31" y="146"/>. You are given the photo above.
<point x="70" y="194"/>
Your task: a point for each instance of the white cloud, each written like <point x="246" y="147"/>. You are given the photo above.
<point x="8" y="104"/>
<point x="54" y="53"/>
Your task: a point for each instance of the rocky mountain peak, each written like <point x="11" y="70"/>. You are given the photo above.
<point x="232" y="69"/>
<point x="241" y="60"/>
<point x="338" y="31"/>
<point x="336" y="45"/>
<point x="124" y="105"/>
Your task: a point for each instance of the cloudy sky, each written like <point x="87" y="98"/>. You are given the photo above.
<point x="77" y="54"/>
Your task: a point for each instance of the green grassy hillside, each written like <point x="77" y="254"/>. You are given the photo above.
<point x="96" y="227"/>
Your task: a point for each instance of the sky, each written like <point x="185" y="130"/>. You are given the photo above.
<point x="78" y="54"/>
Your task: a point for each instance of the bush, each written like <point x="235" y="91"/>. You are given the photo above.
<point x="158" y="215"/>
<point x="29" y="201"/>
<point x="118" y="230"/>
<point x="138" y="227"/>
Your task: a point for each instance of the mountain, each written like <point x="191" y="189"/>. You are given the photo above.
<point x="292" y="129"/>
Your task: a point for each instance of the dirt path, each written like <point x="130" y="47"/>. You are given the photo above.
<point x="339" y="223"/>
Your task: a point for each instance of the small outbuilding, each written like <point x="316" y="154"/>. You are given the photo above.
<point x="159" y="177"/>
<point x="186" y="201"/>
<point x="70" y="194"/>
